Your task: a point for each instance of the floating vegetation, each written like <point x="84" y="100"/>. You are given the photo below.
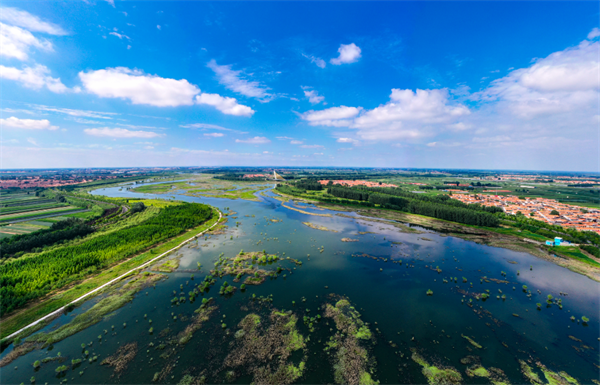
<point x="437" y="374"/>
<point x="552" y="378"/>
<point x="471" y="341"/>
<point x="266" y="350"/>
<point x="203" y="314"/>
<point x="121" y="358"/>
<point x="429" y="292"/>
<point x="97" y="312"/>
<point x="168" y="267"/>
<point x="351" y="362"/>
<point x="349" y="240"/>
<point x="495" y="375"/>
<point x="318" y="227"/>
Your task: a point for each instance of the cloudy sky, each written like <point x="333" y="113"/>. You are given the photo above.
<point x="487" y="85"/>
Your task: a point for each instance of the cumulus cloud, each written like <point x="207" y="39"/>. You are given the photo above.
<point x="28" y="21"/>
<point x="120" y="133"/>
<point x="15" y="42"/>
<point x="346" y="140"/>
<point x="233" y="80"/>
<point x="295" y="141"/>
<point x="408" y="115"/>
<point x="564" y="81"/>
<point x="255" y="140"/>
<point x="215" y="134"/>
<point x="139" y="87"/>
<point x="27" y="124"/>
<point x="34" y="77"/>
<point x="349" y="53"/>
<point x="313" y="95"/>
<point x="226" y="105"/>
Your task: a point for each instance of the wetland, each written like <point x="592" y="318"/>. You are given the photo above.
<point x="292" y="293"/>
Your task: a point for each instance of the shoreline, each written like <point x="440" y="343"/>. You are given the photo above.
<point x="25" y="314"/>
<point x="479" y="235"/>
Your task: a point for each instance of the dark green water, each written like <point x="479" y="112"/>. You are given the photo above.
<point x="391" y="297"/>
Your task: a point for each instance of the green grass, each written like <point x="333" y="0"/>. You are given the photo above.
<point x="163" y="187"/>
<point x="56" y="212"/>
<point x="574" y="253"/>
<point x="55" y="301"/>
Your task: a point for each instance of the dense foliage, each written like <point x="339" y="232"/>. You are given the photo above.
<point x="307" y="184"/>
<point x="60" y="231"/>
<point x="28" y="278"/>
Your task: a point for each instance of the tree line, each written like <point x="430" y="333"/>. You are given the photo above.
<point x="24" y="279"/>
<point x="60" y="231"/>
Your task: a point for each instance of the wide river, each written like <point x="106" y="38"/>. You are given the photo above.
<point x="391" y="298"/>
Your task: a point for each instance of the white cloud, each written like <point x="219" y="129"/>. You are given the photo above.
<point x="408" y="115"/>
<point x="312" y="146"/>
<point x="34" y="77"/>
<point x="32" y="141"/>
<point x="564" y="81"/>
<point x="313" y="96"/>
<point x="138" y="87"/>
<point x="334" y="116"/>
<point x="296" y="142"/>
<point x="346" y="140"/>
<point x="27" y="124"/>
<point x="318" y="61"/>
<point x="15" y="42"/>
<point x="77" y="113"/>
<point x="120" y="36"/>
<point x="226" y="105"/>
<point x="28" y="21"/>
<point x="106" y="132"/>
<point x="215" y="134"/>
<point x="255" y="140"/>
<point x="232" y="80"/>
<point x="158" y="27"/>
<point x="349" y="53"/>
<point x="594" y="33"/>
<point x="204" y="126"/>
<point x="111" y="2"/>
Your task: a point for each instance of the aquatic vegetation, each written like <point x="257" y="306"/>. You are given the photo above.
<point x="96" y="313"/>
<point x="120" y="360"/>
<point x="552" y="378"/>
<point x="203" y="314"/>
<point x="167" y="267"/>
<point x="318" y="227"/>
<point x="351" y="362"/>
<point x="429" y="292"/>
<point x="436" y="375"/>
<point x="256" y="345"/>
<point x="36" y="364"/>
<point x="585" y="320"/>
<point x="471" y="341"/>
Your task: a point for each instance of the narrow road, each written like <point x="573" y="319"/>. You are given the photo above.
<point x="58" y="311"/>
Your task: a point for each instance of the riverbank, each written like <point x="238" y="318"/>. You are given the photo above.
<point x="53" y="302"/>
<point x="482" y="235"/>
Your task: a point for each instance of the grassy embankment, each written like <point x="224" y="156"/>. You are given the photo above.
<point x="55" y="300"/>
<point x="507" y="237"/>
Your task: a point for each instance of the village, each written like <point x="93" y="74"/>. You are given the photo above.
<point x="542" y="209"/>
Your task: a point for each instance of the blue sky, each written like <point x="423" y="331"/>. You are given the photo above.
<point x="490" y="85"/>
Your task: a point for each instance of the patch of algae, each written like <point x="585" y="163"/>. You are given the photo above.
<point x="351" y="361"/>
<point x="471" y="341"/>
<point x="552" y="378"/>
<point x="495" y="375"/>
<point x="437" y="375"/>
<point x="267" y="350"/>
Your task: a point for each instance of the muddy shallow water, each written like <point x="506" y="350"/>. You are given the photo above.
<point x="390" y="296"/>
